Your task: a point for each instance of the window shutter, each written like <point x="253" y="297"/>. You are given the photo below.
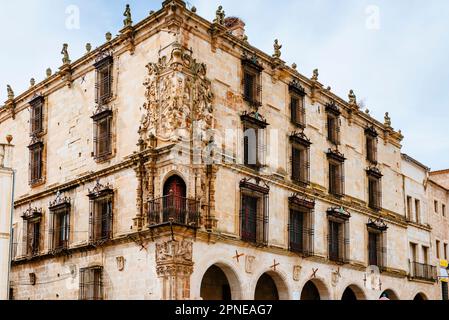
<point x="83" y="275"/>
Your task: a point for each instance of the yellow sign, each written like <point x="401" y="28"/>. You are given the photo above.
<point x="444" y="263"/>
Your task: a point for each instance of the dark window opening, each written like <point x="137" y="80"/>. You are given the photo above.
<point x="103" y="135"/>
<point x="37" y="117"/>
<point x="252" y="88"/>
<point x="104" y="82"/>
<point x="91" y="284"/>
<point x="333" y="129"/>
<point x="301" y="164"/>
<point x="298" y="111"/>
<point x="60" y="229"/>
<point x="336" y="178"/>
<point x="36" y="163"/>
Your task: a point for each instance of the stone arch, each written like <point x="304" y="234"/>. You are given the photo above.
<point x="353" y="292"/>
<point x="232" y="279"/>
<point x="271" y="280"/>
<point x="315" y="289"/>
<point x="420" y="297"/>
<point x="391" y="294"/>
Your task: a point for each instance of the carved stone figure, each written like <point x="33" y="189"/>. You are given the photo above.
<point x="387" y="121"/>
<point x="108" y="36"/>
<point x="178" y="95"/>
<point x="127" y="14"/>
<point x="32" y="82"/>
<point x="174" y="252"/>
<point x="277" y="49"/>
<point x="315" y="75"/>
<point x="65" y="54"/>
<point x="48" y="73"/>
<point x="88" y="47"/>
<point x="352" y="98"/>
<point x="10" y="92"/>
<point x="120" y="263"/>
<point x="220" y="16"/>
<point x="249" y="264"/>
<point x="296" y="273"/>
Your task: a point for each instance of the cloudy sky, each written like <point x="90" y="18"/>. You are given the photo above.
<point x="394" y="54"/>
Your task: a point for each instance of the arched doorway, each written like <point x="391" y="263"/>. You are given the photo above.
<point x="420" y="297"/>
<point x="310" y="292"/>
<point x="174" y="200"/>
<point x="266" y="288"/>
<point x="352" y="293"/>
<point x="389" y="295"/>
<point x="349" y="295"/>
<point x="215" y="285"/>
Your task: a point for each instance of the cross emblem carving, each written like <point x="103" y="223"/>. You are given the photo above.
<point x="275" y="265"/>
<point x="314" y="271"/>
<point x="238" y="256"/>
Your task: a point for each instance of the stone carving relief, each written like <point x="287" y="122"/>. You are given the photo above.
<point x="178" y="95"/>
<point x="296" y="273"/>
<point x="174" y="252"/>
<point x="249" y="265"/>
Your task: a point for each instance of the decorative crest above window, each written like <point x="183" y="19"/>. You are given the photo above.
<point x="295" y="86"/>
<point x="333" y="108"/>
<point x="374" y="172"/>
<point x="103" y="58"/>
<point x="101" y="111"/>
<point x="377" y="224"/>
<point x="300" y="137"/>
<point x="339" y="213"/>
<point x="302" y="201"/>
<point x="59" y="202"/>
<point x="35" y="141"/>
<point x="371" y="131"/>
<point x="251" y="60"/>
<point x="100" y="190"/>
<point x="254" y="118"/>
<point x="37" y="98"/>
<point x="336" y="155"/>
<point x="258" y="185"/>
<point x="32" y="213"/>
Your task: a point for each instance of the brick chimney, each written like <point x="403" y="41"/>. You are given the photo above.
<point x="236" y="26"/>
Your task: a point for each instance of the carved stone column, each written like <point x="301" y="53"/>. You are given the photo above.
<point x="174" y="266"/>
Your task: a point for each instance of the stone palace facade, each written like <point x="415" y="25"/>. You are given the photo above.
<point x="177" y="161"/>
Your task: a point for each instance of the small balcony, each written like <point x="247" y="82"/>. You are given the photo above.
<point x="422" y="271"/>
<point x="174" y="209"/>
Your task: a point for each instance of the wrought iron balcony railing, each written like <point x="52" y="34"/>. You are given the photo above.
<point x="174" y="209"/>
<point x="422" y="271"/>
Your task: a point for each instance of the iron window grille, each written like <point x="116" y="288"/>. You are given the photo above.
<point x="254" y="214"/>
<point x="374" y="188"/>
<point x="371" y="136"/>
<point x="252" y="81"/>
<point x="297" y="107"/>
<point x="301" y="225"/>
<point x="32" y="231"/>
<point x="101" y="213"/>
<point x="102" y="133"/>
<point x="37" y="115"/>
<point x="333" y="123"/>
<point x="336" y="173"/>
<point x="300" y="161"/>
<point x="377" y="243"/>
<point x="338" y="235"/>
<point x="423" y="271"/>
<point x="253" y="139"/>
<point x="36" y="164"/>
<point x="59" y="231"/>
<point x="174" y="209"/>
<point x="91" y="283"/>
<point x="103" y="84"/>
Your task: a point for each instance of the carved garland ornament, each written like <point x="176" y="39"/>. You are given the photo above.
<point x="178" y="96"/>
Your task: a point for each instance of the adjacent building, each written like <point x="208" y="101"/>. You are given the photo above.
<point x="177" y="161"/>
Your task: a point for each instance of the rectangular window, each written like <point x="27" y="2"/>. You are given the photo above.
<point x="104" y="81"/>
<point x="333" y="129"/>
<point x="298" y="112"/>
<point x="375" y="249"/>
<point x="443" y="210"/>
<point x="252" y="89"/>
<point x="300" y="164"/>
<point x="409" y="208"/>
<point x="254" y="213"/>
<point x="335" y="241"/>
<point x="36" y="163"/>
<point x="91" y="284"/>
<point x="425" y="253"/>
<point x="374" y="191"/>
<point x="103" y="135"/>
<point x="413" y="256"/>
<point x="251" y="147"/>
<point x="336" y="178"/>
<point x="101" y="219"/>
<point x="36" y="122"/>
<point x="437" y="249"/>
<point x="60" y="229"/>
<point x="435" y="203"/>
<point x="371" y="148"/>
<point x="33" y="237"/>
<point x="418" y="211"/>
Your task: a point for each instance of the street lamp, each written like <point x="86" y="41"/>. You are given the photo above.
<point x="6" y="209"/>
